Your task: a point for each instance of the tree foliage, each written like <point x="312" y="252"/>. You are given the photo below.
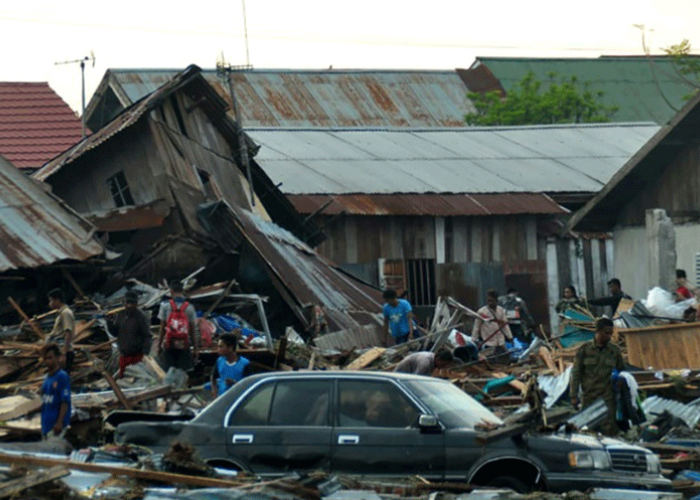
<point x="529" y="102"/>
<point x="686" y="64"/>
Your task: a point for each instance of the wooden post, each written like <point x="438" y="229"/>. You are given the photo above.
<point x="281" y="351"/>
<point x="26" y="318"/>
<point x="16" y="486"/>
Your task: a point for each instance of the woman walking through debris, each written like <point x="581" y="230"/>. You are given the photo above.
<point x="570" y="300"/>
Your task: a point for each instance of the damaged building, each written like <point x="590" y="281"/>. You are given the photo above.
<point x="143" y="176"/>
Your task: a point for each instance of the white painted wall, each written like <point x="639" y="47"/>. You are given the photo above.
<point x="631" y="260"/>
<point x="687" y="245"/>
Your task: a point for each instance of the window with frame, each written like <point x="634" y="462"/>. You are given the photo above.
<point x="374" y="404"/>
<point x="301" y="403"/>
<point x="255" y="409"/>
<point x="120" y="190"/>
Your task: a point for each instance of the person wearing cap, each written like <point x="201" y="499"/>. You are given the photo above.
<point x="613" y="300"/>
<point x="133" y="333"/>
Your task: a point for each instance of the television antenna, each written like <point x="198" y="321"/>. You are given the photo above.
<point x="82" y="62"/>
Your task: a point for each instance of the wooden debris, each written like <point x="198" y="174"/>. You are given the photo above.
<point x="14" y="487"/>
<point x="13" y="407"/>
<point x="26" y="318"/>
<point x="366" y="359"/>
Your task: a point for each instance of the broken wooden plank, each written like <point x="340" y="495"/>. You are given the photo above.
<point x="546" y="355"/>
<point x="161" y="477"/>
<point x="13" y="407"/>
<point x="117" y="390"/>
<point x="366" y="359"/>
<point x="517" y="384"/>
<point x="26" y="318"/>
<point x="16" y="486"/>
<point x="153" y="365"/>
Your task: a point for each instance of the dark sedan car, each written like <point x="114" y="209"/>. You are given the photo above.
<point x="387" y="425"/>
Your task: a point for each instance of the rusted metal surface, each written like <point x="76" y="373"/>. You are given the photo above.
<point x="308" y="98"/>
<point x="439" y="205"/>
<point x="531" y="159"/>
<point x="664" y="347"/>
<point x="300" y="275"/>
<point x="36" y="229"/>
<point x="479" y="79"/>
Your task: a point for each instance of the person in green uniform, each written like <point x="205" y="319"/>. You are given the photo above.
<point x="592" y="372"/>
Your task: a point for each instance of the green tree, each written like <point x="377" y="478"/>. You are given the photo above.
<point x="529" y="102"/>
<point x="686" y="64"/>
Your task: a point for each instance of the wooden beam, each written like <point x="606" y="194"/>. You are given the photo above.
<point x="117" y="390"/>
<point x="218" y="300"/>
<point x="161" y="477"/>
<point x="73" y="283"/>
<point x="26" y="318"/>
<point x="16" y="486"/>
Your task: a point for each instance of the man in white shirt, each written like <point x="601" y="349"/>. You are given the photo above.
<point x="491" y="328"/>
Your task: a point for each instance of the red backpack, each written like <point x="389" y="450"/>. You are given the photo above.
<point x="177" y="327"/>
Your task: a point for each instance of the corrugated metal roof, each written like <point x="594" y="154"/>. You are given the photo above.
<point x="307" y="98"/>
<point x="35" y="124"/>
<point x="37" y="229"/>
<point x="301" y="276"/>
<point x="439" y="205"/>
<point x="689" y="413"/>
<point x="535" y="159"/>
<point x="631" y="83"/>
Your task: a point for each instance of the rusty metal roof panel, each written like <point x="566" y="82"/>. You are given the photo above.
<point x="313" y="98"/>
<point x="36" y="228"/>
<point x="302" y="277"/>
<point x="439" y="205"/>
<point x="554" y="158"/>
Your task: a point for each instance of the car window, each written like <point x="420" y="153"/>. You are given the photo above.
<point x="374" y="404"/>
<point x="255" y="409"/>
<point x="301" y="403"/>
<point x="452" y="406"/>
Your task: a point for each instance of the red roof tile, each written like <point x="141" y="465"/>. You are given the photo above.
<point x="36" y="125"/>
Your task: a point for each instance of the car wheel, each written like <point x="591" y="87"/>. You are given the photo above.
<point x="511" y="482"/>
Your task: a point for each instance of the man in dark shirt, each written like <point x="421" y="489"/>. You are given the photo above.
<point x="613" y="300"/>
<point x="133" y="333"/>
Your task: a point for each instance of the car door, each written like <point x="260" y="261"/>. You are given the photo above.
<point x="376" y="432"/>
<point x="283" y="426"/>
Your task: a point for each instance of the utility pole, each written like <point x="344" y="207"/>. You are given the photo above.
<point x="82" y="79"/>
<point x="224" y="69"/>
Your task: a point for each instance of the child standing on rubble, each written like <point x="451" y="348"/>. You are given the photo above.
<point x="230" y="367"/>
<point x="55" y="394"/>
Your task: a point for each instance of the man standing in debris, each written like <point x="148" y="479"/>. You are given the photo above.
<point x="491" y="328"/>
<point x="55" y="394"/>
<point x="133" y="333"/>
<point x="424" y="363"/>
<point x="230" y="367"/>
<point x="519" y="319"/>
<point x="178" y="330"/>
<point x="613" y="300"/>
<point x="398" y="317"/>
<point x="592" y="372"/>
<point x="64" y="326"/>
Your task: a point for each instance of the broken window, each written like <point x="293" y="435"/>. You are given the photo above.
<point x="120" y="190"/>
<point x="420" y="274"/>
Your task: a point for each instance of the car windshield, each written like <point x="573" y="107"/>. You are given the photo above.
<point x="452" y="406"/>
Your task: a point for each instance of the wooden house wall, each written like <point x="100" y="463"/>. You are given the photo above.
<point x="677" y="191"/>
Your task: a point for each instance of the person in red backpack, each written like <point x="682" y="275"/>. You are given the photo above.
<point x="178" y="330"/>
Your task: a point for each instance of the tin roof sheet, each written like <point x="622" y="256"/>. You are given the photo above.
<point x="35" y="124"/>
<point x="439" y="205"/>
<point x="641" y="87"/>
<point x="36" y="228"/>
<point x="535" y="159"/>
<point x="315" y="98"/>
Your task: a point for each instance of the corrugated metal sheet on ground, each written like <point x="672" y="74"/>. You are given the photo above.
<point x="337" y="98"/>
<point x="303" y="277"/>
<point x="536" y="159"/>
<point x="690" y="414"/>
<point x="37" y="229"/>
<point x="354" y="338"/>
<point x="440" y="205"/>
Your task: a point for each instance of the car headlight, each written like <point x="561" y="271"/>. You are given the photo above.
<point x="590" y="459"/>
<point x="653" y="464"/>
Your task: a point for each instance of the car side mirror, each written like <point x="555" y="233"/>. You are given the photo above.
<point x="428" y="422"/>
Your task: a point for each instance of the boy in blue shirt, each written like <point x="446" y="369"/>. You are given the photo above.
<point x="230" y="367"/>
<point x="55" y="394"/>
<point x="398" y="317"/>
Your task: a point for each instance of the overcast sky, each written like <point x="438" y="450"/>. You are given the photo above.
<point x="434" y="34"/>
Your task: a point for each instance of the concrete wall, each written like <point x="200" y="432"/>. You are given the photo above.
<point x="632" y="260"/>
<point x="687" y="246"/>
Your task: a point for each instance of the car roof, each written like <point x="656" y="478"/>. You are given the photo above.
<point x="334" y="374"/>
